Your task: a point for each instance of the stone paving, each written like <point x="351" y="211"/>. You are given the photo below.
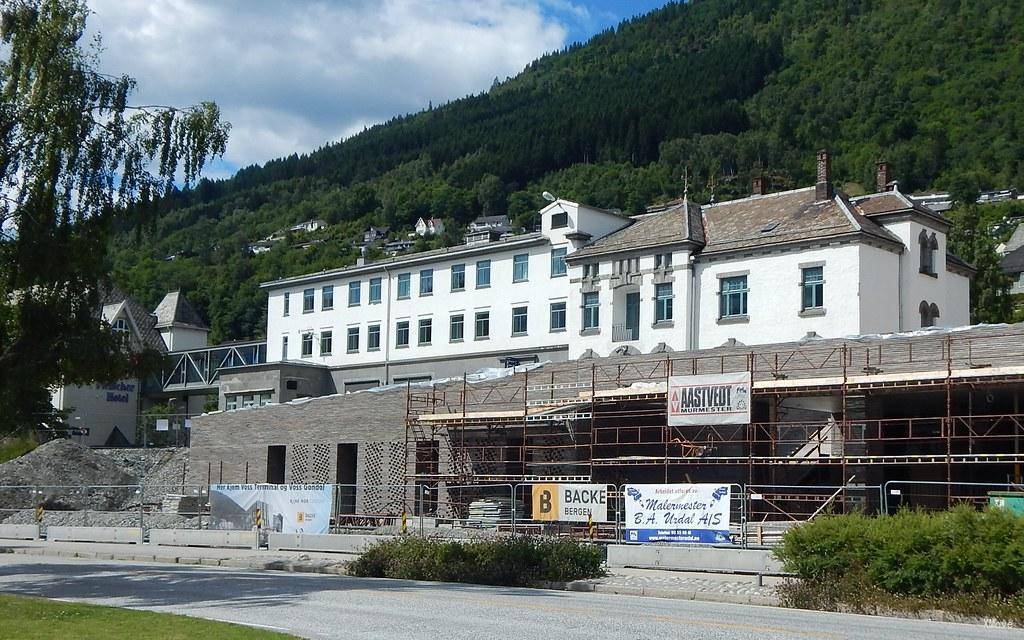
<point x="684" y="585"/>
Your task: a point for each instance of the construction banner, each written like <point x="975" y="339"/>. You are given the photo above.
<point x="285" y="508"/>
<point x="721" y="398"/>
<point x="697" y="513"/>
<point x="570" y="502"/>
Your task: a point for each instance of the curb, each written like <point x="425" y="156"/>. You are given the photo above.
<point x="661" y="592"/>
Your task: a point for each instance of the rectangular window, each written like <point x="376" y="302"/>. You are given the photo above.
<point x="404" y="285"/>
<point x="520" y="267"/>
<point x="286" y="303"/>
<point x="483" y="274"/>
<point x="231" y="403"/>
<point x="402" y="334"/>
<point x="373" y="337"/>
<point x="284" y="347"/>
<point x="354" y="290"/>
<point x="558" y="316"/>
<point x="458" y="277"/>
<point x="307" y="300"/>
<point x="591" y="311"/>
<point x="426" y="331"/>
<point x="662" y="260"/>
<point x="812" y="283"/>
<point x="591" y="270"/>
<point x="559" y="220"/>
<point x="326" y="340"/>
<point x="374" y="290"/>
<point x="558" y="267"/>
<point x="327" y="297"/>
<point x="482" y="330"/>
<point x="663" y="302"/>
<point x="456" y="328"/>
<point x="732" y="297"/>
<point x="352" y="340"/>
<point x="519" y="321"/>
<point x="426" y="282"/>
<point x="307" y="345"/>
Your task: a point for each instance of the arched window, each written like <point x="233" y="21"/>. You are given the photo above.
<point x="929" y="313"/>
<point x="929" y="245"/>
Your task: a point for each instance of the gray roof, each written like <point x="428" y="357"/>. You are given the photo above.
<point x="176" y="310"/>
<point x="672" y="223"/>
<point x="144" y="321"/>
<point x="747" y="223"/>
<point x="1013" y="262"/>
<point x="892" y="202"/>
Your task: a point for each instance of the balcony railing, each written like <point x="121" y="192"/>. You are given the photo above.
<point x="625" y="333"/>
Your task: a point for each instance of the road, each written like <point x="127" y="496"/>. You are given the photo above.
<point x="320" y="606"/>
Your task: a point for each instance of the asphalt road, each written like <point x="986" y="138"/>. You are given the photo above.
<point x="319" y="606"/>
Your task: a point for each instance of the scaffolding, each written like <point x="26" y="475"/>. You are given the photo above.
<point x="936" y="406"/>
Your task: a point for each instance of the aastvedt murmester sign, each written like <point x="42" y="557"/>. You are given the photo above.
<point x="721" y="398"/>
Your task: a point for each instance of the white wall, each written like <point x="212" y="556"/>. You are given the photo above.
<point x="878" y="290"/>
<point x="101" y="408"/>
<point x="773" y="301"/>
<point x="918" y="286"/>
<point x="184" y="338"/>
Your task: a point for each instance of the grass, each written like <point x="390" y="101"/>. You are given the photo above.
<point x="28" y="618"/>
<point x="14" y="447"/>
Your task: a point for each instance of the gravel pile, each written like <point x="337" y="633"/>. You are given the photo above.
<point x="57" y="468"/>
<point x="161" y="469"/>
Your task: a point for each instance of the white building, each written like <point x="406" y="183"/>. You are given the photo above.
<point x="767" y="268"/>
<point x="429" y="227"/>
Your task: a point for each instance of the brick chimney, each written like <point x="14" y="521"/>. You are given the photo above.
<point x="759" y="186"/>
<point x="882" y="176"/>
<point x="823" y="188"/>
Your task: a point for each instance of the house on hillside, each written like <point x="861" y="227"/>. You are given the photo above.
<point x="373" y="234"/>
<point x="430" y="227"/>
<point x="309" y="226"/>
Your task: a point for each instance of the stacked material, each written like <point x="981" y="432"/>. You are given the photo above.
<point x="489" y="513"/>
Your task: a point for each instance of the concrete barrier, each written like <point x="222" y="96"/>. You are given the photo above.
<point x="19" y="531"/>
<point x="714" y="559"/>
<point x="204" y="538"/>
<point x="126" y="535"/>
<point x="330" y="543"/>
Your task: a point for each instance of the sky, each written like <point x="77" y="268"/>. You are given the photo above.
<point x="293" y="76"/>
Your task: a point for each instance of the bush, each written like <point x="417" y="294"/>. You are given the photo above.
<point x="15" y="447"/>
<point x="913" y="553"/>
<point x="513" y="561"/>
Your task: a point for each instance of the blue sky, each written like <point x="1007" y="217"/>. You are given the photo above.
<point x="293" y="76"/>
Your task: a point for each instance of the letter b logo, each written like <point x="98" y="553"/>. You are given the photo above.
<point x="545" y="501"/>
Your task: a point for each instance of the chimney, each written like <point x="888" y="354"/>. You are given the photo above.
<point x="823" y="188"/>
<point x="758" y="189"/>
<point x="882" y="176"/>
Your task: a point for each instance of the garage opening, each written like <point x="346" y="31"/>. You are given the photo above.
<point x="346" y="477"/>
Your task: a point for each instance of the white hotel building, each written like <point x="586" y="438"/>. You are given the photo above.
<point x="767" y="268"/>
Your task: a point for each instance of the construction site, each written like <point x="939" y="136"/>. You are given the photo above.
<point x="832" y="421"/>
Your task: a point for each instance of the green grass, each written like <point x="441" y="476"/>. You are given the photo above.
<point x="14" y="447"/>
<point x="41" y="619"/>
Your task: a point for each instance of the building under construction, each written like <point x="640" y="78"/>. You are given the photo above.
<point x="940" y="406"/>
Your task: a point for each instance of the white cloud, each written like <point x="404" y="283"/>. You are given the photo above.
<point x="293" y="76"/>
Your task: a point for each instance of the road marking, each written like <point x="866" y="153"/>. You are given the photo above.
<point x="251" y="624"/>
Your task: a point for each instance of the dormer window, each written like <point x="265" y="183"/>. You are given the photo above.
<point x="929" y="244"/>
<point x="120" y="328"/>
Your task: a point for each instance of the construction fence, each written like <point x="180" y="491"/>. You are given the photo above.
<point x="757" y="514"/>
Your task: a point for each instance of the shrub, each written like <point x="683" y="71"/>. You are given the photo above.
<point x="913" y="553"/>
<point x="512" y="561"/>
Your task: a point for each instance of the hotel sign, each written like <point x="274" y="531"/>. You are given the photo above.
<point x="709" y="399"/>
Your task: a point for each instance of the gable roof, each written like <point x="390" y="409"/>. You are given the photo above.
<point x="114" y="302"/>
<point x="1013" y="262"/>
<point x="1016" y="238"/>
<point x="894" y="202"/>
<point x="672" y="223"/>
<point x="176" y="310"/>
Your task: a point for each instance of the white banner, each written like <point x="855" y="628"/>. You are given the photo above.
<point x="285" y="508"/>
<point x="163" y="424"/>
<point x="570" y="502"/>
<point x="677" y="513"/>
<point x="721" y="398"/>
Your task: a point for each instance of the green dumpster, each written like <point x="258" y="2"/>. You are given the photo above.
<point x="1012" y="501"/>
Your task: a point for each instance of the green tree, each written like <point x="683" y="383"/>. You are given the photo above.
<point x="75" y="156"/>
<point x="969" y="238"/>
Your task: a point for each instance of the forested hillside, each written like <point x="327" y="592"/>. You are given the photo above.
<point x="719" y="88"/>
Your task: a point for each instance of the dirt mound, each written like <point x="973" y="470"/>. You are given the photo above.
<point x="57" y="470"/>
